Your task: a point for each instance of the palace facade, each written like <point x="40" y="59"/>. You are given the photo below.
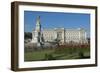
<point x="63" y="35"/>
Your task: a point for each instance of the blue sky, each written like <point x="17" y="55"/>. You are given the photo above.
<point x="56" y="20"/>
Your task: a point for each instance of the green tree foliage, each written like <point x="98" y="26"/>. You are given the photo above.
<point x="28" y="35"/>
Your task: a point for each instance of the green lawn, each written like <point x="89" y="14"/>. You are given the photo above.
<point x="57" y="54"/>
<point x="36" y="55"/>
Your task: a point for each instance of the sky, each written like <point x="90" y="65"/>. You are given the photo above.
<point x="50" y="20"/>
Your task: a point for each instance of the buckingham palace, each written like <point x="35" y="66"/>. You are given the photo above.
<point x="64" y="35"/>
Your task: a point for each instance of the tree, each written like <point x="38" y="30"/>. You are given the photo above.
<point x="57" y="41"/>
<point x="28" y="35"/>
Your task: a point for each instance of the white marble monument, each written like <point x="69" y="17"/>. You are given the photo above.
<point x="37" y="39"/>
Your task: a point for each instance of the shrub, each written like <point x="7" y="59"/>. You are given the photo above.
<point x="81" y="55"/>
<point x="49" y="57"/>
